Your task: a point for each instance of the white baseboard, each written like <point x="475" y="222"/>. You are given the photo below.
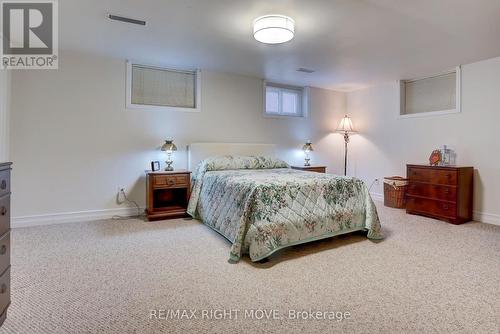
<point x="483" y="217"/>
<point x="488" y="218"/>
<point x="72" y="217"/>
<point x="377" y="197"/>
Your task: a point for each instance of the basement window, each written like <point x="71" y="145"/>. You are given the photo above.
<point x="435" y="95"/>
<point x="283" y="100"/>
<point x="150" y="87"/>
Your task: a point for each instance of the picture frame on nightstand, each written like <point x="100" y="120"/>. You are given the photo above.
<point x="155" y="166"/>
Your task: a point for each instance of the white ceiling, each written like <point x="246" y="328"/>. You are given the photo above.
<point x="350" y="43"/>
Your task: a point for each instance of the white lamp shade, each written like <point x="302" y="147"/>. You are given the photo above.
<point x="346" y="125"/>
<point x="273" y="29"/>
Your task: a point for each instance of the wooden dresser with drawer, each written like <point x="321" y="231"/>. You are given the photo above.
<point x="4" y="239"/>
<point x="444" y="193"/>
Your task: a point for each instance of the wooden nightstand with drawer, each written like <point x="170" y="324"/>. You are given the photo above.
<point x="167" y="194"/>
<point x="317" y="169"/>
<point x="444" y="193"/>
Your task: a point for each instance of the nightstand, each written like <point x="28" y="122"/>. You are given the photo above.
<point x="317" y="169"/>
<point x="167" y="194"/>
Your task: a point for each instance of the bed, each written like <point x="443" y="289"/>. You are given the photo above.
<point x="261" y="205"/>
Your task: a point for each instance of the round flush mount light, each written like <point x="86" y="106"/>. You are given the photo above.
<point x="273" y="29"/>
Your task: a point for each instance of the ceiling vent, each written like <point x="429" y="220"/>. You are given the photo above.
<point x="305" y="70"/>
<point x="126" y="19"/>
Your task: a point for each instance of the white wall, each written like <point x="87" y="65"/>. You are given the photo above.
<point x="4" y="114"/>
<point x="73" y="143"/>
<point x="386" y="144"/>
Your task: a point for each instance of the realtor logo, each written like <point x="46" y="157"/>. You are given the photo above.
<point x="29" y="34"/>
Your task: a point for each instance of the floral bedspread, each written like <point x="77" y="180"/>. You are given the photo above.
<point x="261" y="206"/>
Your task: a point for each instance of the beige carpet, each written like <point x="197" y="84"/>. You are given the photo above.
<point x="106" y="277"/>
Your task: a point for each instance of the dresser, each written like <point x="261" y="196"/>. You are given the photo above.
<point x="4" y="240"/>
<point x="444" y="193"/>
<point x="167" y="194"/>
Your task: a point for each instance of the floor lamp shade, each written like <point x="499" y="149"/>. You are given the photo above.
<point x="346" y="128"/>
<point x="346" y="125"/>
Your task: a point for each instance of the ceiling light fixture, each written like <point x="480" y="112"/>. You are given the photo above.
<point x="273" y="29"/>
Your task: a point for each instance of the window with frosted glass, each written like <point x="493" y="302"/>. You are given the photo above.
<point x="284" y="100"/>
<point x="430" y="95"/>
<point x="163" y="87"/>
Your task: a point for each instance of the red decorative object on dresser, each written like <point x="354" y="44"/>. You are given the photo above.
<point x="444" y="193"/>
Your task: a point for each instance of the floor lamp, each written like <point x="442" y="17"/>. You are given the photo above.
<point x="346" y="128"/>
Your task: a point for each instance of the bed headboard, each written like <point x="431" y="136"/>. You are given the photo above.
<point x="200" y="151"/>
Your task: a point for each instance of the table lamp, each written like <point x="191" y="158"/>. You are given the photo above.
<point x="307" y="148"/>
<point x="169" y="147"/>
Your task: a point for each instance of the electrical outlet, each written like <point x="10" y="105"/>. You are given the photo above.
<point x="120" y="195"/>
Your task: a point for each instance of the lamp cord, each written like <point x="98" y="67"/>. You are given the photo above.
<point x="129" y="201"/>
<point x="371" y="185"/>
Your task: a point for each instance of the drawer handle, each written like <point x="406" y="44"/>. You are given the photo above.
<point x="3" y="211"/>
<point x="171" y="182"/>
<point x="447" y="191"/>
<point x="3" y="288"/>
<point x="445" y="206"/>
<point x="3" y="185"/>
<point x="3" y="250"/>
